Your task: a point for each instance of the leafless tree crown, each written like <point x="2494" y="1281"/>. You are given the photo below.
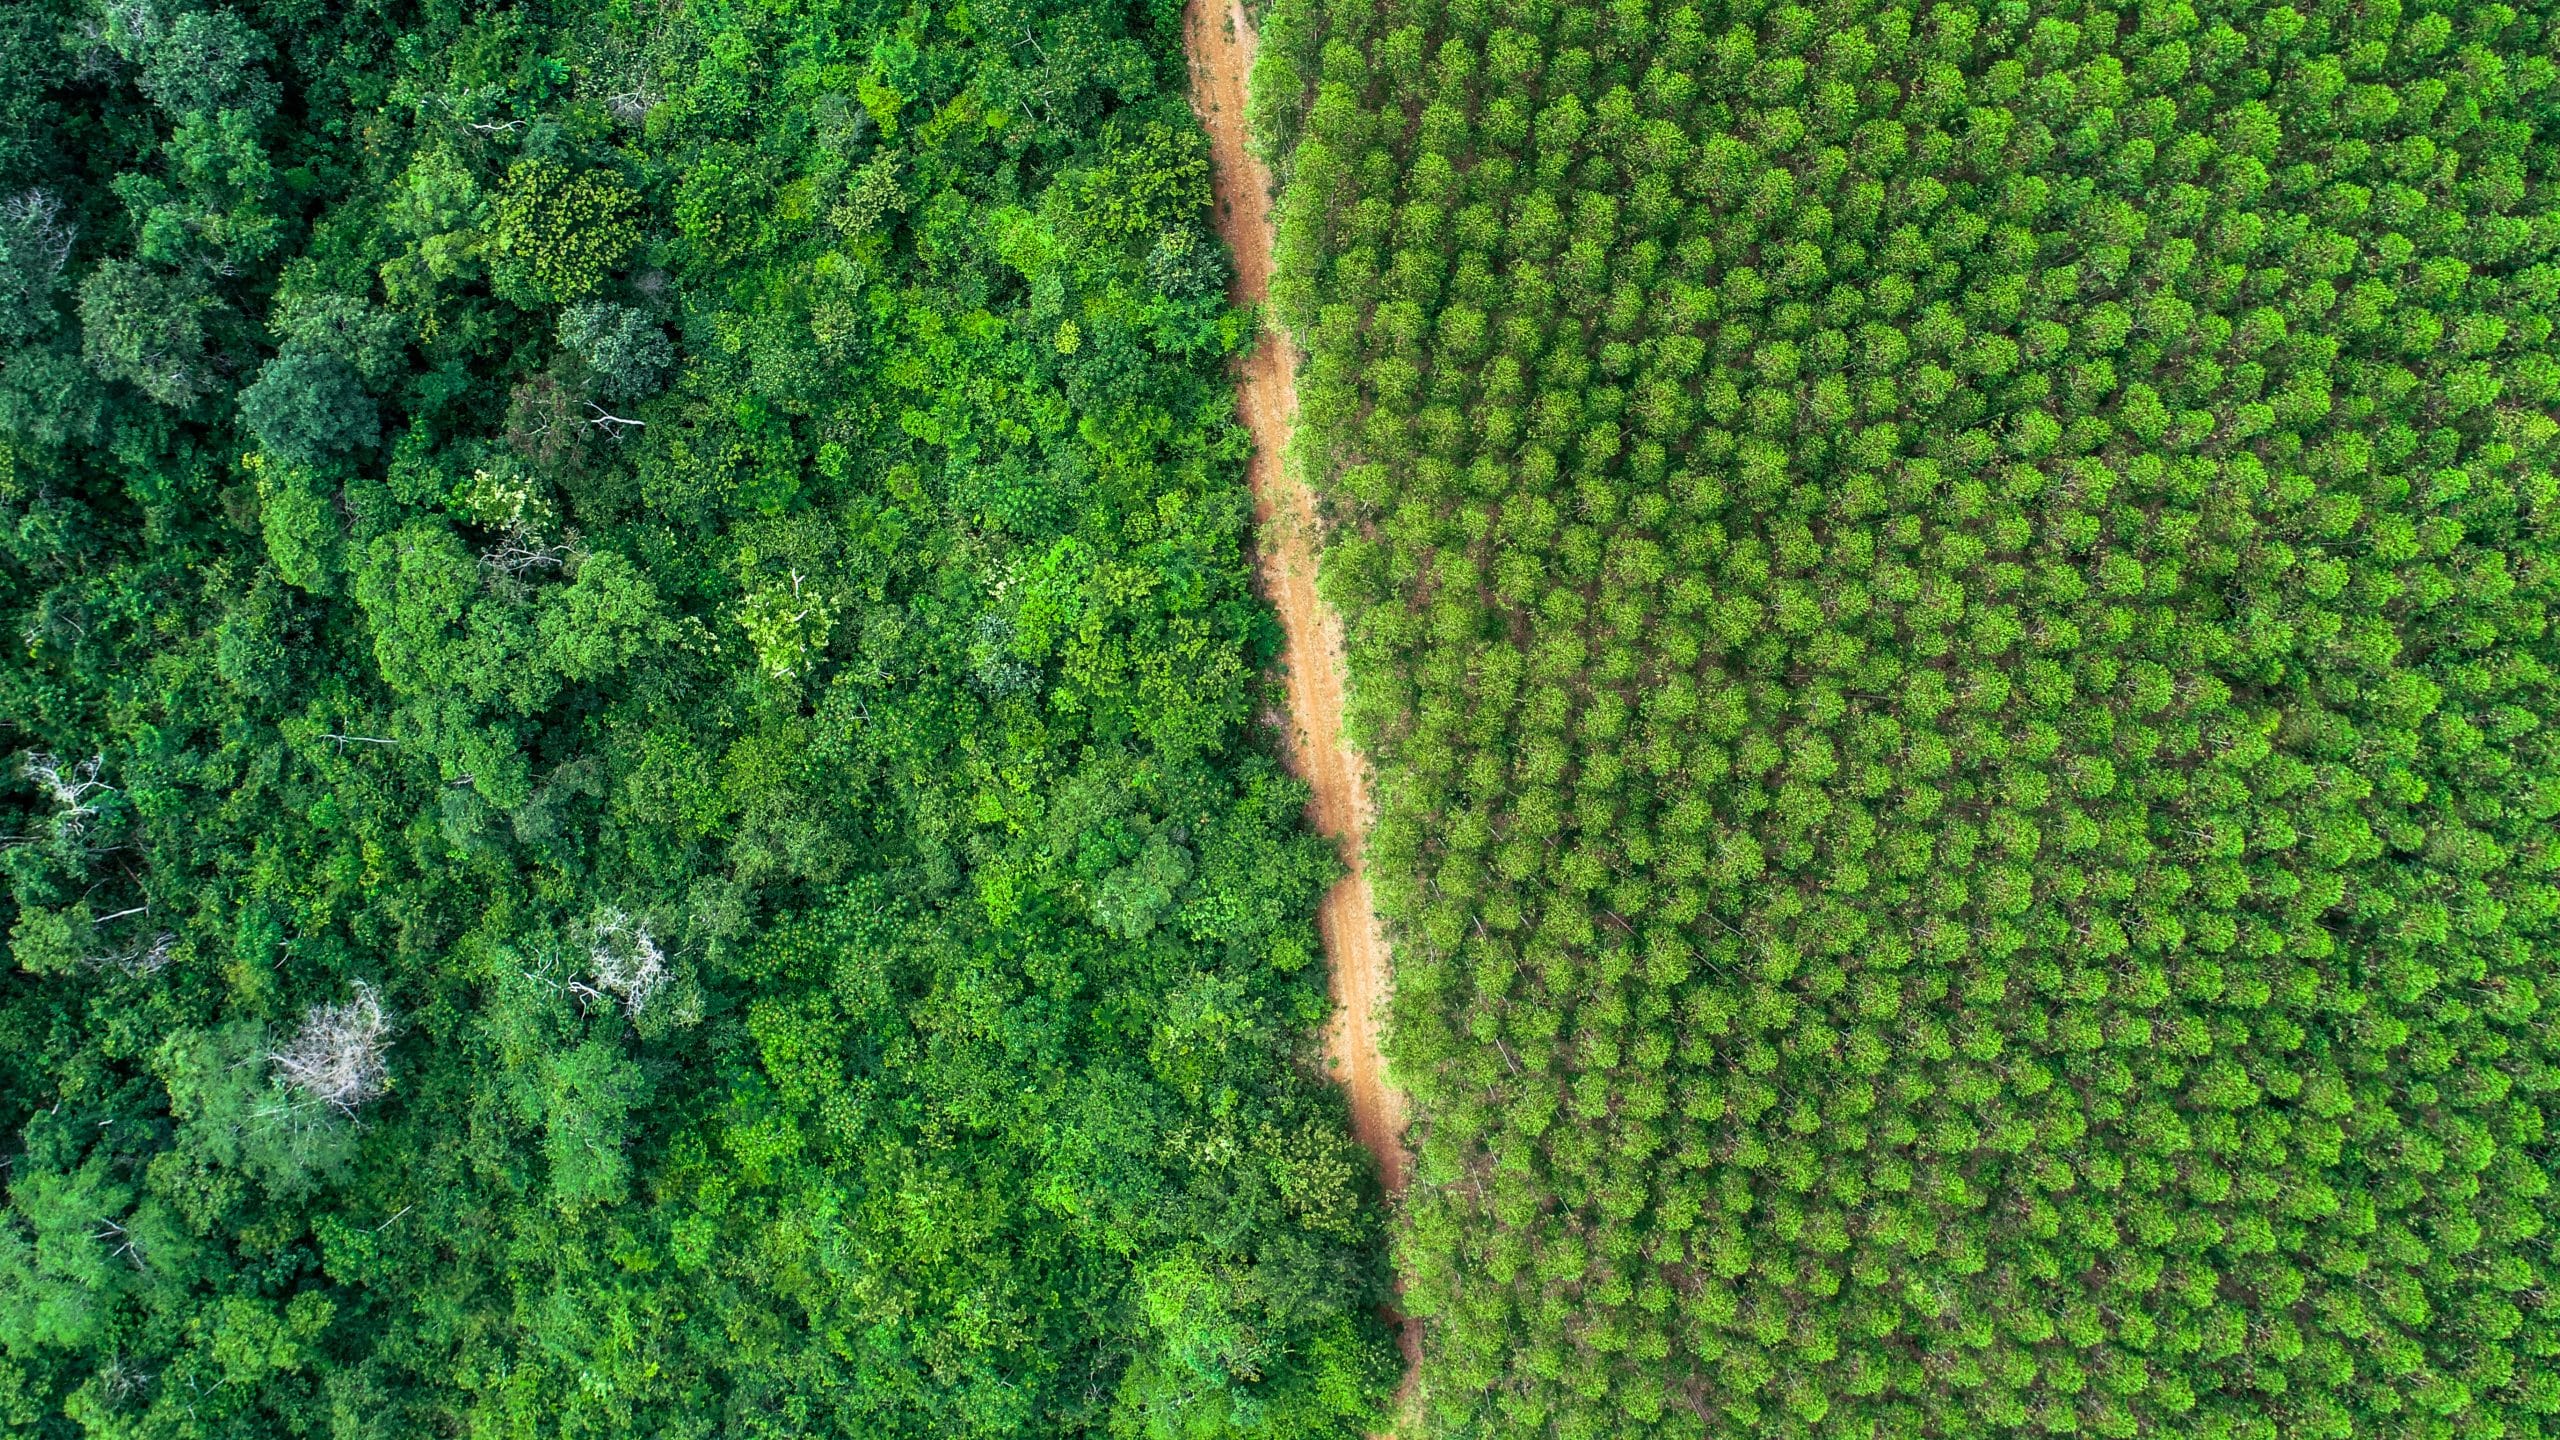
<point x="33" y="218"/>
<point x="149" y="958"/>
<point x="624" y="963"/>
<point x="338" y="1058"/>
<point x="632" y="106"/>
<point x="72" y="788"/>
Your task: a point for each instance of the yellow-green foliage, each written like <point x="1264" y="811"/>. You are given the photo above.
<point x="561" y="235"/>
<point x="1954" y="603"/>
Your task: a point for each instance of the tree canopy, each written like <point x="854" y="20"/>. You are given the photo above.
<point x="1954" y="606"/>
<point x="633" y="802"/>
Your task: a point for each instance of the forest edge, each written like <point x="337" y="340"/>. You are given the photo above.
<point x="1220" y="37"/>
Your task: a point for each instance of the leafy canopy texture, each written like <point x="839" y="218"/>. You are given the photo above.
<point x="1954" y="605"/>
<point x="632" y="802"/>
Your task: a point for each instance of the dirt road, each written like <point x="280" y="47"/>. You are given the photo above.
<point x="1221" y="43"/>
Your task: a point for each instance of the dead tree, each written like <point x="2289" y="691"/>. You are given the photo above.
<point x="32" y="220"/>
<point x="122" y="1380"/>
<point x="71" y="789"/>
<point x="520" y="553"/>
<point x="338" y="1059"/>
<point x="632" y="106"/>
<point x="625" y="964"/>
<point x="142" y="960"/>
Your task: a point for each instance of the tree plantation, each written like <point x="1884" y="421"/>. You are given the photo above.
<point x="633" y="803"/>
<point x="1953" y="607"/>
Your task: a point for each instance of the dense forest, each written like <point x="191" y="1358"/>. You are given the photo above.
<point x="634" y="802"/>
<point x="1953" y="604"/>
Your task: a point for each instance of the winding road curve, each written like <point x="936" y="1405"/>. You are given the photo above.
<point x="1220" y="38"/>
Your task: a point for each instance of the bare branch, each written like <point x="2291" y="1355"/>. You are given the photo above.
<point x="520" y="552"/>
<point x="123" y="1380"/>
<point x="72" y="790"/>
<point x="338" y="1058"/>
<point x="142" y="960"/>
<point x="611" y="424"/>
<point x="624" y="961"/>
<point x="125" y="1245"/>
<point x="632" y="106"/>
<point x="33" y="220"/>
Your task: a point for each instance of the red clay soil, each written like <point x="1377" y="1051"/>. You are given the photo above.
<point x="1221" y="41"/>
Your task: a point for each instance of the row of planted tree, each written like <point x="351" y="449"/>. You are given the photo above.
<point x="1952" y="603"/>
